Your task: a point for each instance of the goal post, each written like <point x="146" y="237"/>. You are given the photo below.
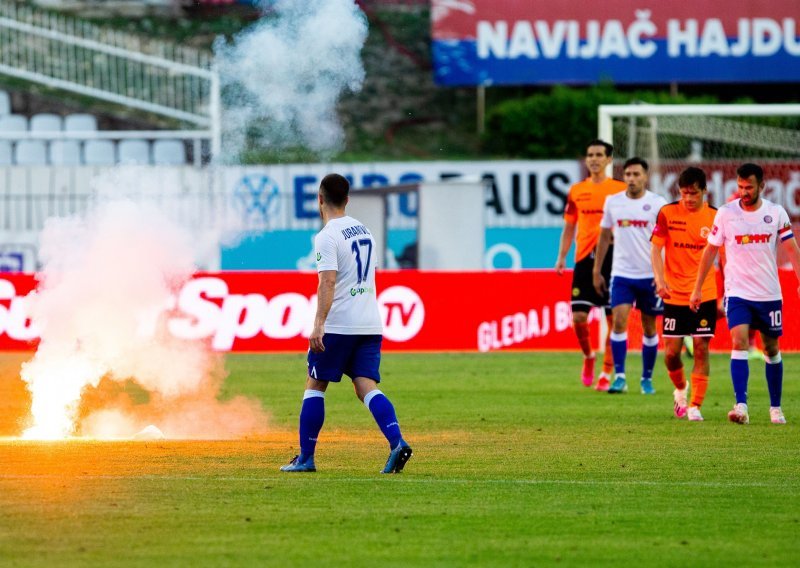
<point x="716" y="138"/>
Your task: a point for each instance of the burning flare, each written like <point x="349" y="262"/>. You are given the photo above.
<point x="108" y="283"/>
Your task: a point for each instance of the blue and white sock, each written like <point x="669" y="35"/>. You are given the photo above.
<point x="774" y="373"/>
<point x="383" y="412"/>
<point x="740" y="373"/>
<point x="649" y="353"/>
<point x="312" y="416"/>
<point x="619" y="350"/>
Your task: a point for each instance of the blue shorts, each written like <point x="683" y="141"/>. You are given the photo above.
<point x="638" y="291"/>
<point x="766" y="317"/>
<point x="351" y="355"/>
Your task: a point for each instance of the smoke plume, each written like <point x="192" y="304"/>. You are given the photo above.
<point x="283" y="76"/>
<point x="106" y="366"/>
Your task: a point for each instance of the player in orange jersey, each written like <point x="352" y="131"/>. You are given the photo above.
<point x="680" y="234"/>
<point x="582" y="215"/>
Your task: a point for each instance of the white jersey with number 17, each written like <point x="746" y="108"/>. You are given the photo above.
<point x="346" y="246"/>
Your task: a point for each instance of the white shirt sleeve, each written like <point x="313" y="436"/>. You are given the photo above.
<point x="325" y="252"/>
<point x="606" y="222"/>
<point x="717" y="235"/>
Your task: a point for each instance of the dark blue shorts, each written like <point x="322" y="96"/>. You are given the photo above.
<point x="351" y="355"/>
<point x="636" y="291"/>
<point x="766" y="317"/>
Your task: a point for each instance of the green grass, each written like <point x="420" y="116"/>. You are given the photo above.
<point x="515" y="464"/>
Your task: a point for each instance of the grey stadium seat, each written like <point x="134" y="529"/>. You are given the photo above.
<point x="65" y="153"/>
<point x="80" y="122"/>
<point x="5" y="103"/>
<point x="13" y="123"/>
<point x="133" y="151"/>
<point x="99" y="153"/>
<point x="169" y="153"/>
<point x="46" y="122"/>
<point x="6" y="155"/>
<point x="31" y="153"/>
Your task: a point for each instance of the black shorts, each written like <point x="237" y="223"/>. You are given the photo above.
<point x="681" y="321"/>
<point x="584" y="296"/>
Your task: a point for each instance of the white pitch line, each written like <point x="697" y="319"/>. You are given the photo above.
<point x="397" y="479"/>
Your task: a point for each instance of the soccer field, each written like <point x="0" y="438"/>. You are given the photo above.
<point x="515" y="464"/>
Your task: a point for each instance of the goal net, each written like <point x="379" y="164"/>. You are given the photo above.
<point x="716" y="138"/>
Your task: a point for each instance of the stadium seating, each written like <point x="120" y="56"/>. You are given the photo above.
<point x="99" y="153"/>
<point x="31" y="153"/>
<point x="65" y="153"/>
<point x="6" y="154"/>
<point x="80" y="123"/>
<point x="13" y="123"/>
<point x="5" y="103"/>
<point x="133" y="152"/>
<point x="46" y="123"/>
<point x="169" y="153"/>
<point x="75" y="152"/>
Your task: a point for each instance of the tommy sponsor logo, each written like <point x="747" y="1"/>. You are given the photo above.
<point x="752" y="239"/>
<point x="635" y="223"/>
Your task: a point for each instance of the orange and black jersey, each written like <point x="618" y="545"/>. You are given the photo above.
<point x="584" y="207"/>
<point x="683" y="235"/>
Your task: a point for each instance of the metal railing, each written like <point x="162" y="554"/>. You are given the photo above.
<point x="66" y="53"/>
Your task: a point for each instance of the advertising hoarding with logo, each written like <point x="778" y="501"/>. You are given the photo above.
<point x="421" y="311"/>
<point x="272" y="211"/>
<point x="507" y="42"/>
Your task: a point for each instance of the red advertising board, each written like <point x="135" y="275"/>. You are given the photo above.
<point x="421" y="311"/>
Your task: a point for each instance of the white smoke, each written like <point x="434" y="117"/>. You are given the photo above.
<point x="107" y="284"/>
<point x="283" y="76"/>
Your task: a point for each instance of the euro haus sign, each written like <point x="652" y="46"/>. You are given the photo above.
<point x="508" y="42"/>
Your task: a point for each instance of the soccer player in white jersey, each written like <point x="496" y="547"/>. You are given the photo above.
<point x="630" y="216"/>
<point x="347" y="333"/>
<point x="750" y="228"/>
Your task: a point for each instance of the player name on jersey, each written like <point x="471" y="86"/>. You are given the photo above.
<point x="354" y="231"/>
